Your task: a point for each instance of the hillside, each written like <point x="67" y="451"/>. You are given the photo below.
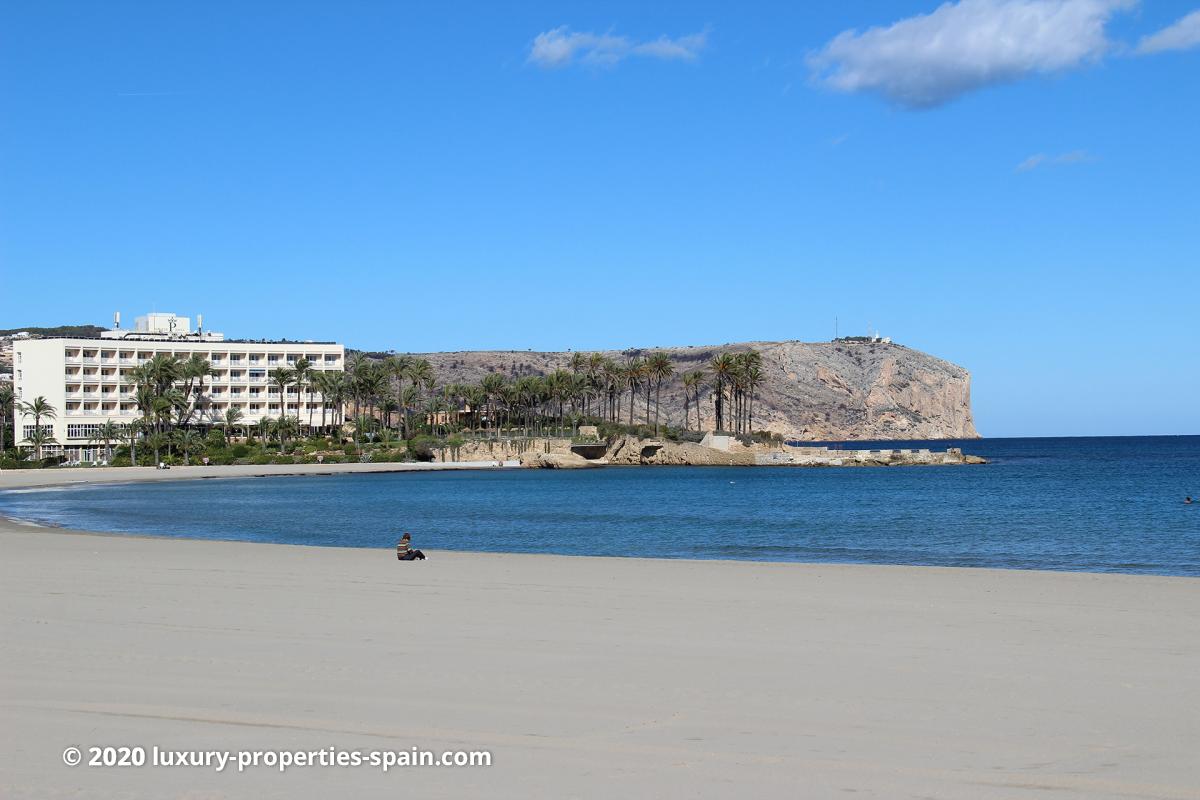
<point x="60" y="330"/>
<point x="815" y="391"/>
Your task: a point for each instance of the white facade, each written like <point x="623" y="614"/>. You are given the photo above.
<point x="85" y="380"/>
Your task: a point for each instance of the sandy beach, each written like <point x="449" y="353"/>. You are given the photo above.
<point x="589" y="677"/>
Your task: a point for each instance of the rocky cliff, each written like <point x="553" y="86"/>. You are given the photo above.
<point x="813" y="391"/>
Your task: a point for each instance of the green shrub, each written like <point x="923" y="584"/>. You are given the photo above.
<point x="239" y="451"/>
<point x="215" y="439"/>
<point x="349" y="450"/>
<point x="422" y="447"/>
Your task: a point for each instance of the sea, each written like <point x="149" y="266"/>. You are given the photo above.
<point x="1111" y="504"/>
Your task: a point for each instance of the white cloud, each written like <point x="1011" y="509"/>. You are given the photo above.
<point x="561" y="46"/>
<point x="930" y="59"/>
<point x="1042" y="160"/>
<point x="1033" y="162"/>
<point x="1183" y="35"/>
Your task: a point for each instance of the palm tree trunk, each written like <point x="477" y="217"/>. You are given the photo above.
<point x="657" y="401"/>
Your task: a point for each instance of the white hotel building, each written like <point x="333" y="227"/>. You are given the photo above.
<point x="84" y="379"/>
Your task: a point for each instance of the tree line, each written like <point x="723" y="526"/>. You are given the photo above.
<point x="402" y="395"/>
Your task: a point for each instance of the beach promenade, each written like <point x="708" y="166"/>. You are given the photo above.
<point x="589" y="677"/>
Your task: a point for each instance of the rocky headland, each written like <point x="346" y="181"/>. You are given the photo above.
<point x="815" y="391"/>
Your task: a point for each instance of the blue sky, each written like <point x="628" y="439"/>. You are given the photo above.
<point x="1008" y="184"/>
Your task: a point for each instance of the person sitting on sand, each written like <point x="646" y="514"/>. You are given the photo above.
<point x="404" y="551"/>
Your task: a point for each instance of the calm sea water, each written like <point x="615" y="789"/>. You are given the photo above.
<point x="1103" y="504"/>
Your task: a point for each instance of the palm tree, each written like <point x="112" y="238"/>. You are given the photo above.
<point x="286" y="426"/>
<point x="493" y="385"/>
<point x="474" y="398"/>
<point x="162" y="372"/>
<point x="303" y="370"/>
<point x="435" y="407"/>
<point x="409" y="396"/>
<point x="388" y="404"/>
<point x="232" y="420"/>
<point x="633" y="379"/>
<point x="723" y="367"/>
<point x="754" y="379"/>
<point x="188" y="440"/>
<point x="193" y="371"/>
<point x="39" y="438"/>
<point x="660" y="369"/>
<point x="281" y="378"/>
<point x="129" y="435"/>
<point x="107" y="433"/>
<point x="156" y="441"/>
<point x="8" y="401"/>
<point x="420" y="373"/>
<point x="265" y="426"/>
<point x="614" y="377"/>
<point x="582" y="391"/>
<point x="372" y="384"/>
<point x="333" y="392"/>
<point x="558" y="385"/>
<point x="39" y="408"/>
<point x="578" y="362"/>
<point x="692" y="382"/>
<point x="356" y="364"/>
<point x="526" y="390"/>
<point x="168" y="403"/>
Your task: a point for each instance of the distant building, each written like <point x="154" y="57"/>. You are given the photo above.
<point x="86" y="379"/>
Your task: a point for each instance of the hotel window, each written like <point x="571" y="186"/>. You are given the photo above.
<point x="273" y="407"/>
<point x="254" y="408"/>
<point x="29" y="429"/>
<point x="81" y="431"/>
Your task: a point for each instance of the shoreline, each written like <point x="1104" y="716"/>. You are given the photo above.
<point x="659" y="677"/>
<point x="10" y="524"/>
<point x="53" y="477"/>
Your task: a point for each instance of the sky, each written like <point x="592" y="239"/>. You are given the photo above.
<point x="1011" y="185"/>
